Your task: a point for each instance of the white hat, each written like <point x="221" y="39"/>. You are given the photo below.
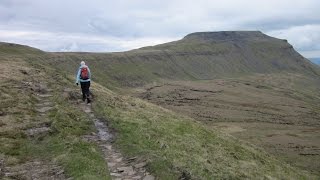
<point x="82" y="63"/>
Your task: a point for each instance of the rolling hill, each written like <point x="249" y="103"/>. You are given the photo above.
<point x="234" y="104"/>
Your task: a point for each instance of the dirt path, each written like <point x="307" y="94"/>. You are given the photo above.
<point x="120" y="168"/>
<point x="37" y="168"/>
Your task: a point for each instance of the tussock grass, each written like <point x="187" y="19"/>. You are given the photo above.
<point x="176" y="146"/>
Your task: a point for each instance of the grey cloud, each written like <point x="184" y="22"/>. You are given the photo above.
<point x="113" y="23"/>
<point x="279" y="23"/>
<point x="305" y="38"/>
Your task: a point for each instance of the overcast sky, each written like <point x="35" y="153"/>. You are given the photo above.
<point x="105" y="25"/>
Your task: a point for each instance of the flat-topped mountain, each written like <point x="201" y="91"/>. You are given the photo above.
<point x="198" y="56"/>
<point x="225" y="35"/>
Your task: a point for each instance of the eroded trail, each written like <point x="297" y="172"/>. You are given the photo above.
<point x="120" y="168"/>
<point x="36" y="168"/>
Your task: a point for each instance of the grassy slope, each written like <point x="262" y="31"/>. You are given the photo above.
<point x="173" y="144"/>
<point x="177" y="146"/>
<point x="63" y="145"/>
<point x="253" y="108"/>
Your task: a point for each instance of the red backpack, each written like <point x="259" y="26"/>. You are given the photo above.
<point x="84" y="75"/>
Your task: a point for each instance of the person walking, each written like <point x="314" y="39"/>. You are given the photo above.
<point x="83" y="76"/>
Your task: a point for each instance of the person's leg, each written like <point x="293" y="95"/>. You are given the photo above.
<point x="83" y="89"/>
<point x="88" y="92"/>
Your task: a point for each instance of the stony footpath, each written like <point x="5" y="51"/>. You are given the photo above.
<point x="43" y="106"/>
<point x="120" y="168"/>
<point x="36" y="169"/>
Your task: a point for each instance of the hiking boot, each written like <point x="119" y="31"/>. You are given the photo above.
<point x="88" y="101"/>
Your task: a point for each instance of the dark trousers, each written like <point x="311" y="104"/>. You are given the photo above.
<point x="85" y="89"/>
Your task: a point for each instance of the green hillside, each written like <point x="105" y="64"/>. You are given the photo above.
<point x="198" y="56"/>
<point x="172" y="143"/>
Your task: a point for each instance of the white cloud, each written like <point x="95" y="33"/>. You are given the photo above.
<point x="306" y="38"/>
<point x="77" y="42"/>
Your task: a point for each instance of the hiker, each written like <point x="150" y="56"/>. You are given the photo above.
<point x="83" y="76"/>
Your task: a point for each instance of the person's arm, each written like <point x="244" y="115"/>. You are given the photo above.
<point x="78" y="76"/>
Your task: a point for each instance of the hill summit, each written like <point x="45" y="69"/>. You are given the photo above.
<point x="225" y="35"/>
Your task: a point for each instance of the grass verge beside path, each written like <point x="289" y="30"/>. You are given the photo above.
<point x="176" y="146"/>
<point x="63" y="144"/>
<point x="80" y="159"/>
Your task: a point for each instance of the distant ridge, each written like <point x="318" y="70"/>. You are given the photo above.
<point x="12" y="48"/>
<point x="225" y="35"/>
<point x="198" y="56"/>
<point x="315" y="60"/>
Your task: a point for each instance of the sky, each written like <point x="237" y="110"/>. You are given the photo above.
<point x="109" y="26"/>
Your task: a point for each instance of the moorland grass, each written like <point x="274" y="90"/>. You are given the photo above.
<point x="176" y="146"/>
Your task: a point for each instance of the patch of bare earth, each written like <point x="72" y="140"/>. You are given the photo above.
<point x="34" y="170"/>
